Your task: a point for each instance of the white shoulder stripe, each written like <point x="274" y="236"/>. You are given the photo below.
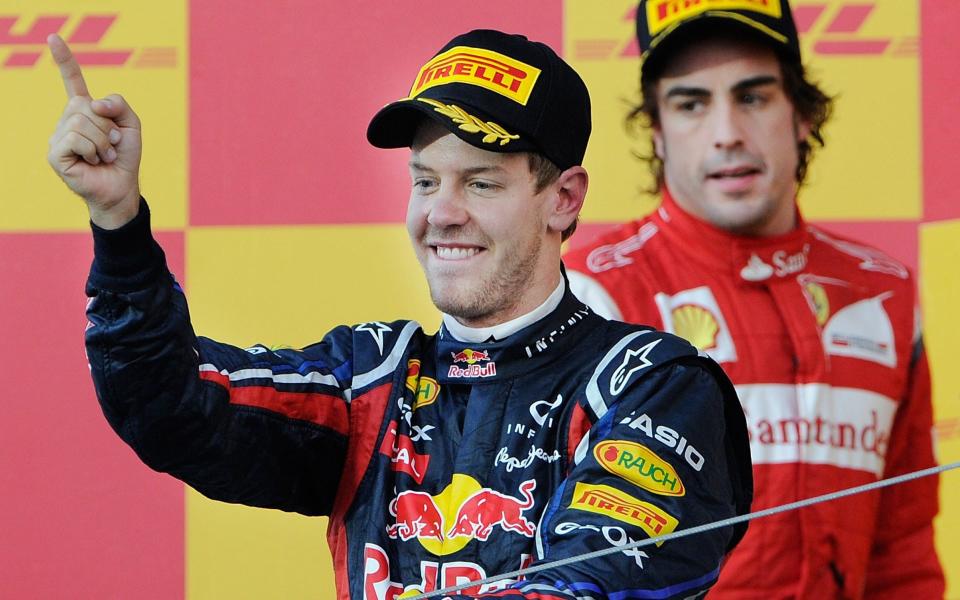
<point x="391" y="361"/>
<point x="581" y="452"/>
<point x="594" y="397"/>
<point x="245" y="374"/>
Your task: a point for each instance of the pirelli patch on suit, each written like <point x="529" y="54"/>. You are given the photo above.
<point x="611" y="502"/>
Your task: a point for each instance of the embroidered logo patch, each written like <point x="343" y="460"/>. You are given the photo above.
<point x="471" y="124"/>
<point x="477" y="66"/>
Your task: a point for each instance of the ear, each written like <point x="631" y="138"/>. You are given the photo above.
<point x="659" y="148"/>
<point x="802" y="128"/>
<point x="570" y="190"/>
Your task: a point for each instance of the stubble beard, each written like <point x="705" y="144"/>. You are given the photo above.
<point x="496" y="293"/>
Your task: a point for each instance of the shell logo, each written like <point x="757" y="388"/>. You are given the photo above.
<point x="695" y="324"/>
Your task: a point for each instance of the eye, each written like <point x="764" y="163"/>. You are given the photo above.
<point x="423" y="184"/>
<point x="690" y="106"/>
<point x="752" y="99"/>
<point x="482" y="186"/>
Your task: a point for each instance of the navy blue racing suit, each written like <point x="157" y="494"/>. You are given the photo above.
<point x="438" y="462"/>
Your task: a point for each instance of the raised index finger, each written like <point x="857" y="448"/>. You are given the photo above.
<point x="69" y="68"/>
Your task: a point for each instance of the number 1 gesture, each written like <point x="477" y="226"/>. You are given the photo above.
<point x="96" y="147"/>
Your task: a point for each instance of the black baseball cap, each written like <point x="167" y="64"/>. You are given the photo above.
<point x="496" y="91"/>
<point x="661" y="24"/>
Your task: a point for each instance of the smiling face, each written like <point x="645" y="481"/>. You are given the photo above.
<point x="728" y="135"/>
<point x="488" y="242"/>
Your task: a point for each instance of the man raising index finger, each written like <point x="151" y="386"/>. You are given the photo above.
<point x="527" y="429"/>
<point x="96" y="146"/>
<point x="69" y="68"/>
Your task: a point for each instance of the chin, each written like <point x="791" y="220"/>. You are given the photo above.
<point x="746" y="223"/>
<point x="462" y="310"/>
<point x="461" y="305"/>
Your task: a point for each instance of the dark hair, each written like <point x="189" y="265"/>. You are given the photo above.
<point x="545" y="173"/>
<point x="811" y="103"/>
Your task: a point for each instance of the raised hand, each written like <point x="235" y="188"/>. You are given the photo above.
<point x="96" y="147"/>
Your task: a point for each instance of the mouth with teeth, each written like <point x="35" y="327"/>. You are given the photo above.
<point x="452" y="253"/>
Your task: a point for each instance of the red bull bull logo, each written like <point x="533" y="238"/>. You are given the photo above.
<point x="470" y="356"/>
<point x="472" y="369"/>
<point x="462" y="512"/>
<point x="487" y="509"/>
<point x="417" y="516"/>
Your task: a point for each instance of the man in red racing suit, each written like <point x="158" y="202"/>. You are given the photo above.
<point x="818" y="333"/>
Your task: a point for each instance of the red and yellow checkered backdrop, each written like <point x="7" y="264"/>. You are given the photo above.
<point x="282" y="222"/>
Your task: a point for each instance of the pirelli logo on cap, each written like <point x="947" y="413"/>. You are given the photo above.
<point x="664" y="13"/>
<point x="611" y="502"/>
<point x="476" y="66"/>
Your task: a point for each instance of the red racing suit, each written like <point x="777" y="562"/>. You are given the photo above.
<point x="820" y="337"/>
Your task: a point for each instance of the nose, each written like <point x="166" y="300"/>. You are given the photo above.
<point x="446" y="208"/>
<point x="726" y="126"/>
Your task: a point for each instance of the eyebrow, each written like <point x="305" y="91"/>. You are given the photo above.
<point x="418" y="166"/>
<point x="698" y="92"/>
<point x="754" y="82"/>
<point x="687" y="91"/>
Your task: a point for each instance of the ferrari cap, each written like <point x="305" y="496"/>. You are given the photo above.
<point x="660" y="23"/>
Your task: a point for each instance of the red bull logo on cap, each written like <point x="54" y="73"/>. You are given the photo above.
<point x="477" y="66"/>
<point x="471" y="358"/>
<point x="463" y="511"/>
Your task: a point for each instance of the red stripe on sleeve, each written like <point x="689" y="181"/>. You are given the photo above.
<point x="579" y="425"/>
<point x="322" y="409"/>
<point x="216" y="377"/>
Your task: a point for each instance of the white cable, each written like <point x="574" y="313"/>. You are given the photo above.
<point x="695" y="530"/>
